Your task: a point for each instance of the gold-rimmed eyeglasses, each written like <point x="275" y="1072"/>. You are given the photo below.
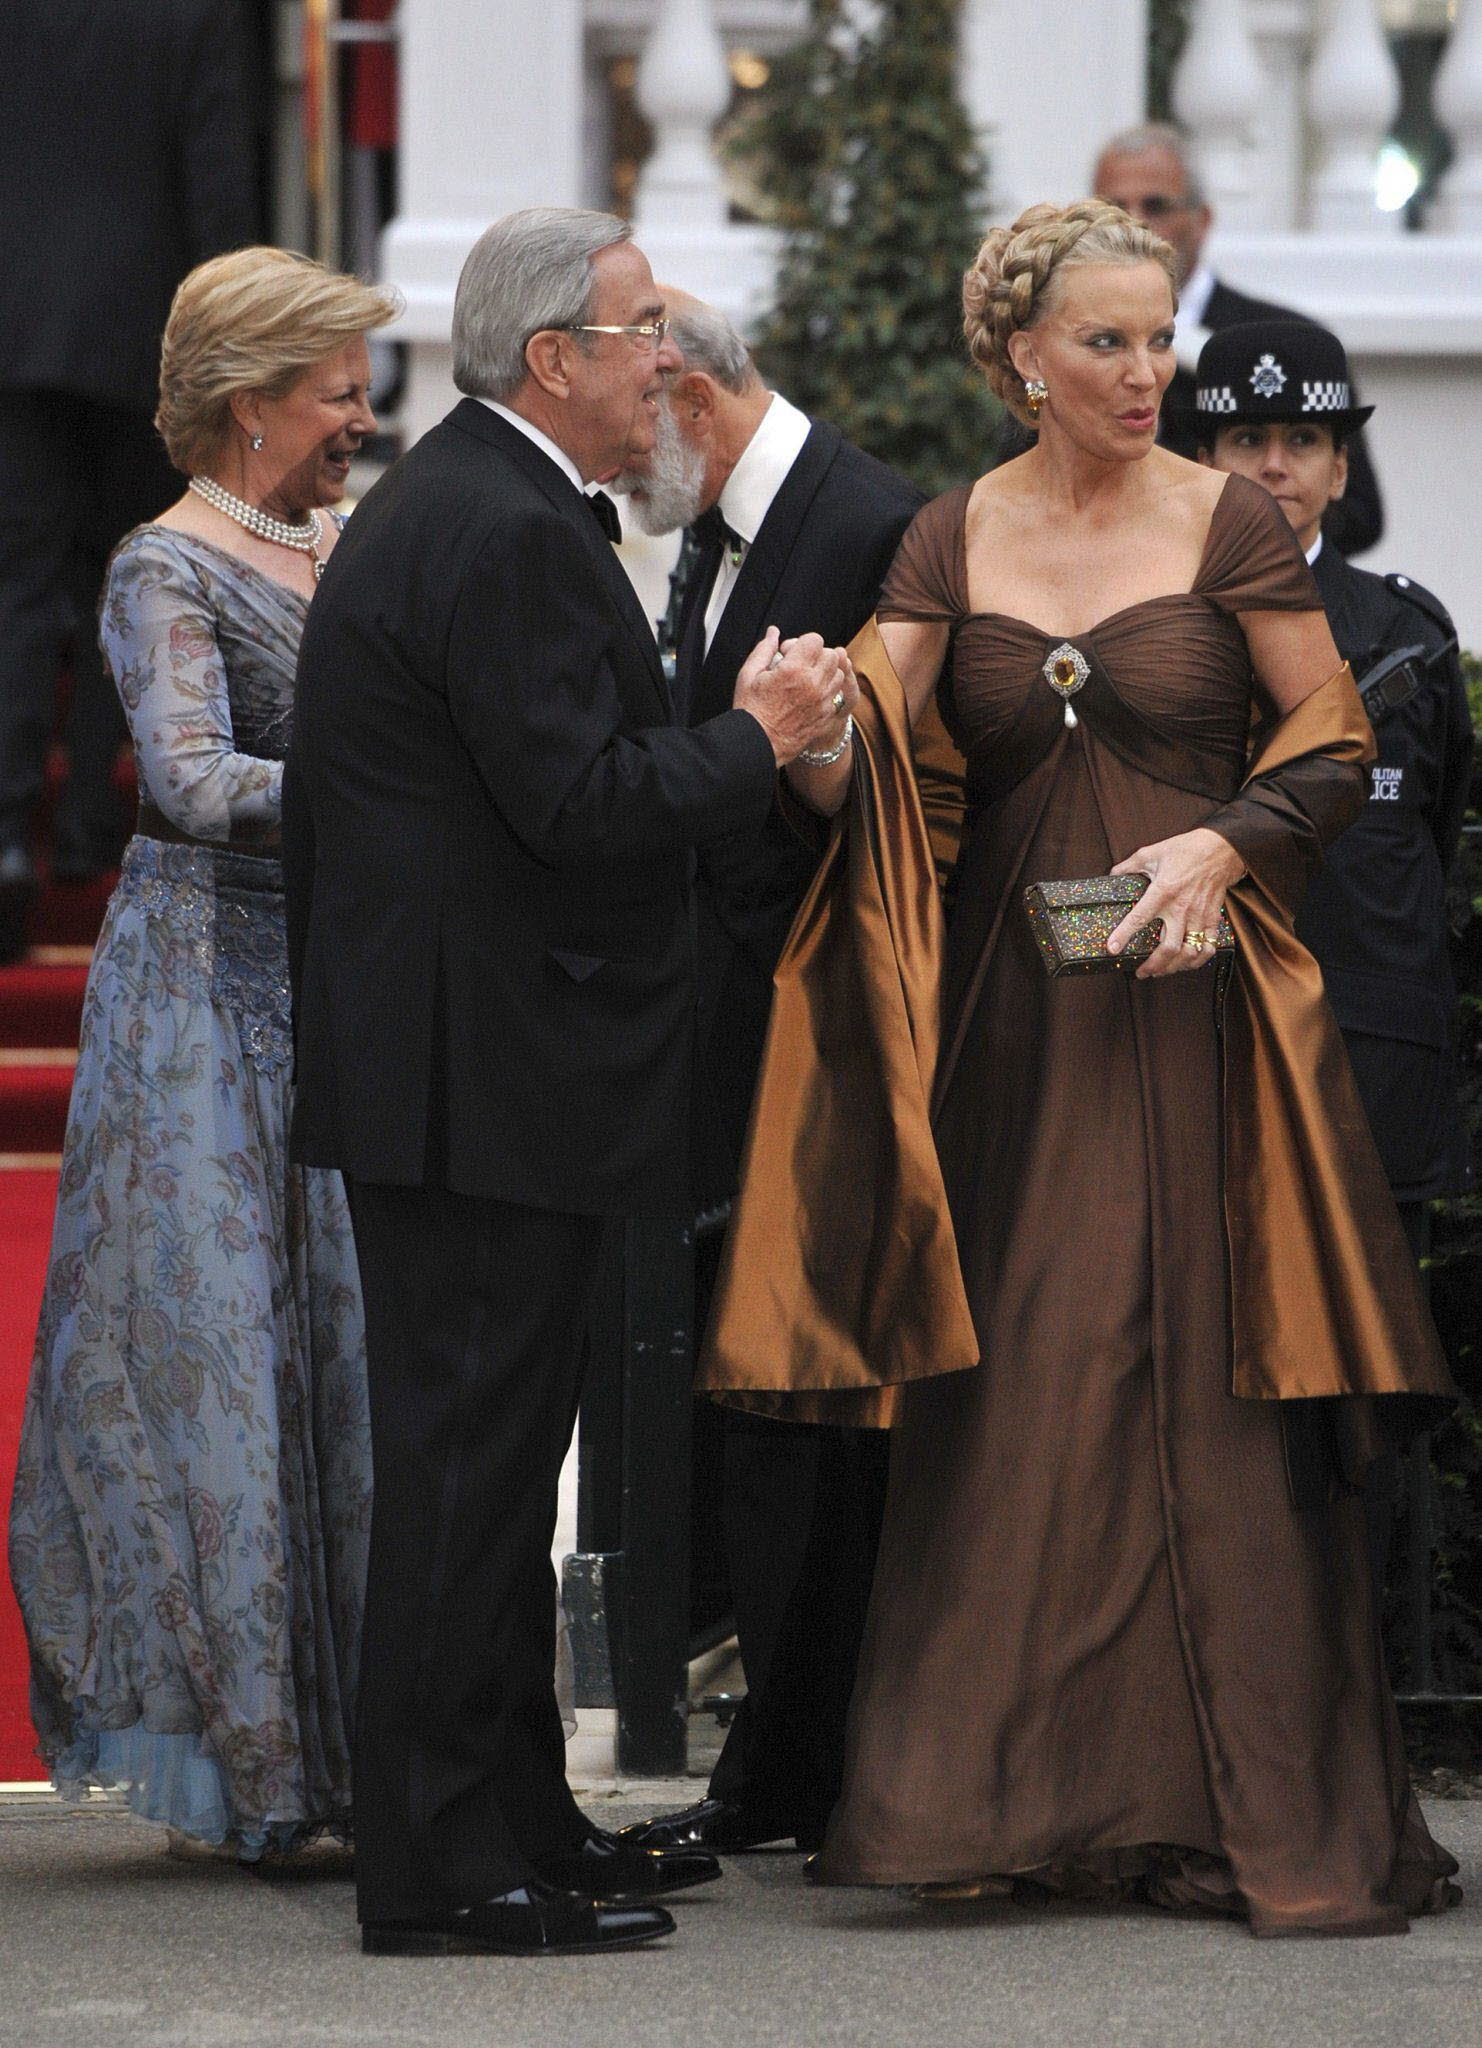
<point x="649" y="335"/>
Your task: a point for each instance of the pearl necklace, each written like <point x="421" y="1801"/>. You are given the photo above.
<point x="303" y="539"/>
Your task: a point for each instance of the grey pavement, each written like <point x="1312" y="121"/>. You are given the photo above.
<point x="104" y="1939"/>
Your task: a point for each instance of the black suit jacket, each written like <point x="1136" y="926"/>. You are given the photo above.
<point x="1375" y="914"/>
<point x="125" y="159"/>
<point x="1357" y="520"/>
<point x="816" y="566"/>
<point x="489" y="832"/>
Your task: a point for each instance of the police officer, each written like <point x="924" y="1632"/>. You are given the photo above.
<point x="1274" y="402"/>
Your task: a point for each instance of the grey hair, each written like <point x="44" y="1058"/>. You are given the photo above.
<point x="1157" y="135"/>
<point x="708" y="341"/>
<point x="530" y="270"/>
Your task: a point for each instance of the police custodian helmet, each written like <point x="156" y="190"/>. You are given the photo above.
<point x="1280" y="371"/>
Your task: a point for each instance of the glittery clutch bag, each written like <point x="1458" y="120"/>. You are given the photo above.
<point x="1072" y="922"/>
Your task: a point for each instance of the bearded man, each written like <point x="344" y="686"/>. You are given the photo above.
<point x="787" y="526"/>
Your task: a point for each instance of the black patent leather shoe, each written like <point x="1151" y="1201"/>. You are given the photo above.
<point x="535" y="1920"/>
<point x="713" y="1824"/>
<point x="607" y="1868"/>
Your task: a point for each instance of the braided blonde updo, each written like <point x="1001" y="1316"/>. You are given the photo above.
<point x="1012" y="278"/>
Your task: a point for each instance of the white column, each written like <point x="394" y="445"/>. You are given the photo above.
<point x="684" y="86"/>
<point x="1282" y="32"/>
<point x="490" y="120"/>
<point x="1353" y="94"/>
<point x="1458" y="97"/>
<point x="1217" y="94"/>
<point x="1046" y="87"/>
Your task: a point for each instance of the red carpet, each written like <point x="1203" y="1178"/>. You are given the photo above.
<point x="40" y="1005"/>
<point x="26" y="1198"/>
<point x="34" y="1088"/>
<point x="40" y="1016"/>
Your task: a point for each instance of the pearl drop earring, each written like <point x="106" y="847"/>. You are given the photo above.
<point x="256" y="443"/>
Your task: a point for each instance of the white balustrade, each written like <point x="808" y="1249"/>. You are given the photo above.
<point x="490" y="120"/>
<point x="1217" y="93"/>
<point x="684" y="86"/>
<point x="1353" y="95"/>
<point x="1043" y="96"/>
<point x="1282" y="33"/>
<point x="1458" y="101"/>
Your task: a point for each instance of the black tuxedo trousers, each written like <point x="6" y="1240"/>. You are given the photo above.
<point x="475" y="1313"/>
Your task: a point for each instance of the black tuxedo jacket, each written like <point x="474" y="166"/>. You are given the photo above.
<point x="125" y="159"/>
<point x="1357" y="520"/>
<point x="490" y="823"/>
<point x="816" y="566"/>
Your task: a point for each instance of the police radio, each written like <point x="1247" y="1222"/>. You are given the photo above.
<point x="1393" y="681"/>
<point x="1394" y="678"/>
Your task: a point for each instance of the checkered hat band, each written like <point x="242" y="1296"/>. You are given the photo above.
<point x="1328" y="395"/>
<point x="1216" y="398"/>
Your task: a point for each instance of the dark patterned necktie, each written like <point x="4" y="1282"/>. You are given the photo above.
<point x="703" y="550"/>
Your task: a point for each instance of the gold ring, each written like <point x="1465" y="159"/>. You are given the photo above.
<point x="838" y="700"/>
<point x="1196" y="941"/>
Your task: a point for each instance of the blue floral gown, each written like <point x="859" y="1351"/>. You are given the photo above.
<point x="193" y="1496"/>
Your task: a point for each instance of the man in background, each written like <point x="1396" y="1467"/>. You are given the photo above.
<point x="1147" y="172"/>
<point x="788" y="526"/>
<point x="125" y="159"/>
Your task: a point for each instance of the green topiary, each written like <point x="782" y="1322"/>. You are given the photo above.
<point x="866" y="156"/>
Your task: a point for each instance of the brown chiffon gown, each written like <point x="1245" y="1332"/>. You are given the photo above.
<point x="1103" y="1648"/>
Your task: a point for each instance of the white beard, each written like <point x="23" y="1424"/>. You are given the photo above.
<point x="669" y="491"/>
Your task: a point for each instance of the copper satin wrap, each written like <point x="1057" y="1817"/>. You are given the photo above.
<point x="840" y="1271"/>
<point x="840" y="1281"/>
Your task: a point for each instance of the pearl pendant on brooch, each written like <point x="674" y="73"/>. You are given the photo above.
<point x="1065" y="670"/>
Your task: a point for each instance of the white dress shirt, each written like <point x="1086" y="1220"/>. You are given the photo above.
<point x="1189" y="330"/>
<point x="749" y="491"/>
<point x="1314" y="551"/>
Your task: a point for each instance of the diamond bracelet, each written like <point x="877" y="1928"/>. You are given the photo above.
<point x="833" y="753"/>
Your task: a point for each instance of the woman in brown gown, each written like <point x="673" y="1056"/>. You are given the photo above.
<point x="1104" y="1646"/>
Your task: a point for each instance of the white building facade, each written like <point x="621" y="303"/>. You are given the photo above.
<point x="506" y="103"/>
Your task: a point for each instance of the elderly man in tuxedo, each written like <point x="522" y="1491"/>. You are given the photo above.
<point x="491" y="821"/>
<point x="1147" y="171"/>
<point x="787" y="525"/>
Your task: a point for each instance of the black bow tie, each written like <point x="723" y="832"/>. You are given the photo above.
<point x="712" y="531"/>
<point x="606" y="515"/>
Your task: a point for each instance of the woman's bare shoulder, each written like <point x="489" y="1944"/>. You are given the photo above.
<point x="1005" y="497"/>
<point x="1008" y="483"/>
<point x="1193" y="489"/>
